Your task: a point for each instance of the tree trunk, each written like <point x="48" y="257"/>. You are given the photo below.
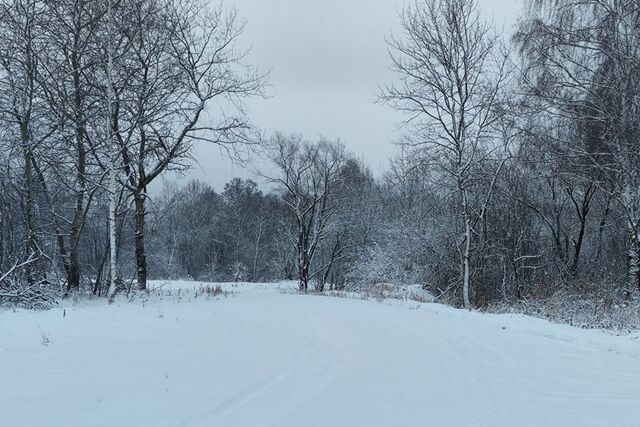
<point x="466" y="255"/>
<point x="304" y="274"/>
<point x="256" y="253"/>
<point x="97" y="287"/>
<point x="31" y="244"/>
<point x="634" y="264"/>
<point x="335" y="252"/>
<point x="466" y="267"/>
<point x="141" y="259"/>
<point x="577" y="245"/>
<point x="73" y="278"/>
<point x="115" y="284"/>
<point x="62" y="248"/>
<point x="114" y="279"/>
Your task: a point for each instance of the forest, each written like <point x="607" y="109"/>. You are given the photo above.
<point x="515" y="183"/>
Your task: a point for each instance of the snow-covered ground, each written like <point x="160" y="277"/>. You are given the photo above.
<point x="261" y="357"/>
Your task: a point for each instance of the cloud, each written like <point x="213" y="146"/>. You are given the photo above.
<point x="327" y="58"/>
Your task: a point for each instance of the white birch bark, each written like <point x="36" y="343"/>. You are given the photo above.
<point x="466" y="257"/>
<point x="113" y="188"/>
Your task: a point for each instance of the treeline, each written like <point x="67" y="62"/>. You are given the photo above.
<point x="329" y="224"/>
<point x="235" y="235"/>
<point x="517" y="176"/>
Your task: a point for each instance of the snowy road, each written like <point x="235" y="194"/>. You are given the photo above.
<point x="270" y="359"/>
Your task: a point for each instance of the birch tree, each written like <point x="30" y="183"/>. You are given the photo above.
<point x="452" y="70"/>
<point x="115" y="283"/>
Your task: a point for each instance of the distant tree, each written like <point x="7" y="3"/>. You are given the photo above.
<point x="350" y="231"/>
<point x="249" y="225"/>
<point x="311" y="176"/>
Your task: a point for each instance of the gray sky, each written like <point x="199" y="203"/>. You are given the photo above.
<point x="327" y="58"/>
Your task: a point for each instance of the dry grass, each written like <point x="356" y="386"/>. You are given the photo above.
<point x="579" y="310"/>
<point x="214" y="291"/>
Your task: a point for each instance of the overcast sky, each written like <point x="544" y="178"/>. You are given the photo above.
<point x="327" y="58"/>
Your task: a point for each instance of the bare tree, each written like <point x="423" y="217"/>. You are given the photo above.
<point x="69" y="68"/>
<point x="310" y="176"/>
<point x="183" y="60"/>
<point x="452" y="71"/>
<point x="22" y="105"/>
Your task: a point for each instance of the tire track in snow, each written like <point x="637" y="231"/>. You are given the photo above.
<point x="461" y="347"/>
<point x="462" y="378"/>
<point x="358" y="320"/>
<point x="255" y="391"/>
<point x="519" y="402"/>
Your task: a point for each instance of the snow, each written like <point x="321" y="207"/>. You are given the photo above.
<point x="264" y="357"/>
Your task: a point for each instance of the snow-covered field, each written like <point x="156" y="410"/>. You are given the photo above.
<point x="261" y="357"/>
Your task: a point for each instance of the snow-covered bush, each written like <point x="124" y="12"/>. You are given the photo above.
<point x="604" y="309"/>
<point x="18" y="291"/>
<point x="381" y="264"/>
<point x="38" y="296"/>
